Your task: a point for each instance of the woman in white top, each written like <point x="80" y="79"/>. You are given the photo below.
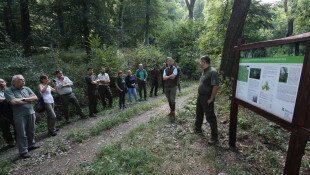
<point x="45" y="90"/>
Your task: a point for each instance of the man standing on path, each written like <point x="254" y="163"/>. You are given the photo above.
<point x="154" y="75"/>
<point x="91" y="83"/>
<point x="141" y="75"/>
<point x="169" y="77"/>
<point x="104" y="88"/>
<point x="63" y="87"/>
<point x="20" y="97"/>
<point x="6" y="116"/>
<point x="207" y="90"/>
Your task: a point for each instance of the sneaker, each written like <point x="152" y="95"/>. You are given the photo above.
<point x="169" y="114"/>
<point x="33" y="147"/>
<point x="67" y="121"/>
<point x="25" y="155"/>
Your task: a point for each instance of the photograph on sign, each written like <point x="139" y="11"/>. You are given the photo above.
<point x="270" y="83"/>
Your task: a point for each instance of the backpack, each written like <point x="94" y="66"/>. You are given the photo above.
<point x="39" y="107"/>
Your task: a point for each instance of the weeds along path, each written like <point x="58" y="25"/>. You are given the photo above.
<point x="82" y="153"/>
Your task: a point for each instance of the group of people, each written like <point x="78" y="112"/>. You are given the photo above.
<point x="16" y="107"/>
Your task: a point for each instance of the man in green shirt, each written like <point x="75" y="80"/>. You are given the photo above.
<point x="20" y="98"/>
<point x="141" y="75"/>
<point x="207" y="91"/>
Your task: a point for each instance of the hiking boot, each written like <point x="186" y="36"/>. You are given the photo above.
<point x="25" y="155"/>
<point x="173" y="114"/>
<point x="52" y="134"/>
<point x="33" y="147"/>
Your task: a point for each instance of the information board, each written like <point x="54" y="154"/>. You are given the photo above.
<point x="270" y="83"/>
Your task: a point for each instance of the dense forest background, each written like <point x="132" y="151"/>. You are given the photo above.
<point x="40" y="36"/>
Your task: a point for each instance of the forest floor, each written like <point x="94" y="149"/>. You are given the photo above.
<point x="148" y="142"/>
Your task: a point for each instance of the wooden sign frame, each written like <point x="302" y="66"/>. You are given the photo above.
<point x="300" y="125"/>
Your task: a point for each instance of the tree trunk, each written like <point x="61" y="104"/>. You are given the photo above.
<point x="10" y="27"/>
<point x="233" y="33"/>
<point x="26" y="29"/>
<point x="121" y="23"/>
<point x="190" y="6"/>
<point x="86" y="31"/>
<point x="147" y="23"/>
<point x="290" y="16"/>
<point x="60" y="16"/>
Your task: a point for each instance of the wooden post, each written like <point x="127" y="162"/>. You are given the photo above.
<point x="295" y="152"/>
<point x="234" y="106"/>
<point x="233" y="123"/>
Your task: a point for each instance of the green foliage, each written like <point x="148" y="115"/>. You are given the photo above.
<point x="258" y="20"/>
<point x="190" y="69"/>
<point x="180" y="40"/>
<point x="302" y="21"/>
<point x="5" y="168"/>
<point x="115" y="160"/>
<point x="216" y="18"/>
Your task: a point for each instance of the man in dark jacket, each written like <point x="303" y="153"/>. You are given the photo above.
<point x="207" y="91"/>
<point x="6" y="117"/>
<point x="154" y="75"/>
<point x="91" y="83"/>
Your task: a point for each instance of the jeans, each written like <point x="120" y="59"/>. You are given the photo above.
<point x="51" y="117"/>
<point x="203" y="108"/>
<point x="25" y="131"/>
<point x="132" y="91"/>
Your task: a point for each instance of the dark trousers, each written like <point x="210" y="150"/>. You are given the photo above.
<point x="121" y="101"/>
<point x="5" y="126"/>
<point x="142" y="86"/>
<point x="203" y="108"/>
<point x="66" y="100"/>
<point x="92" y="102"/>
<point x="6" y="121"/>
<point x="105" y="93"/>
<point x="154" y="84"/>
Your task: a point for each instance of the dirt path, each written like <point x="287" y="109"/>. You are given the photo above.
<point x="86" y="151"/>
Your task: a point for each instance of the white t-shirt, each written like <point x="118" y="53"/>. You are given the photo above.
<point x="61" y="89"/>
<point x="47" y="95"/>
<point x="104" y="77"/>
